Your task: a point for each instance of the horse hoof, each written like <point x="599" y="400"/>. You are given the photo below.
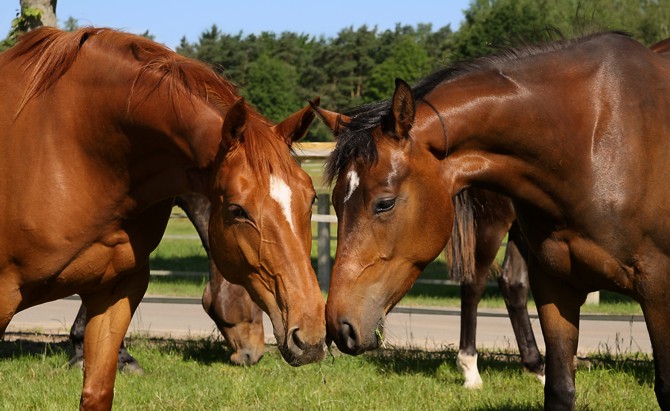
<point x="132" y="368"/>
<point x="76" y="363"/>
<point x="476" y="384"/>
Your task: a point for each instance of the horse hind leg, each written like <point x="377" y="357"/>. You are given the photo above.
<point x="77" y="338"/>
<point x="125" y="362"/>
<point x="513" y="284"/>
<point x="558" y="306"/>
<point x="656" y="311"/>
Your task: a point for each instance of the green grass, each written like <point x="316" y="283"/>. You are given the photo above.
<point x="190" y="375"/>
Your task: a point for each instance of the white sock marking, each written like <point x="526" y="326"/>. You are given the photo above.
<point x="281" y="193"/>
<point x="467" y="364"/>
<point x="353" y="184"/>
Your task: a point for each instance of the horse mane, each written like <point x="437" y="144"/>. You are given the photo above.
<point x="48" y="53"/>
<point x="355" y="140"/>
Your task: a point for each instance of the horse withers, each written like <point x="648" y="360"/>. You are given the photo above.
<point x="92" y="159"/>
<point x="575" y="132"/>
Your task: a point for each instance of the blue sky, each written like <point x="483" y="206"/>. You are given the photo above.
<point x="170" y="20"/>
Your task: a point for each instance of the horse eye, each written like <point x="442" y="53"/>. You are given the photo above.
<point x="238" y="212"/>
<point x="384" y="205"/>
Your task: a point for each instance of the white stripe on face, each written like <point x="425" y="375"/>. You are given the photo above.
<point x="281" y="193"/>
<point x="353" y="184"/>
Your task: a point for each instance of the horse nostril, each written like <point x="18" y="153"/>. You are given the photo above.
<point x="347" y="337"/>
<point x="297" y="341"/>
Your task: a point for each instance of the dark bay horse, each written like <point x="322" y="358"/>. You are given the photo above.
<point x="482" y="219"/>
<point x="575" y="132"/>
<point x="229" y="305"/>
<point x="101" y="130"/>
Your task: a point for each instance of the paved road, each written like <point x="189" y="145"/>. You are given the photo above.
<point x="415" y="327"/>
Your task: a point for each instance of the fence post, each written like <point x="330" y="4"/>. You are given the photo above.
<point x="593" y="298"/>
<point x="323" y="243"/>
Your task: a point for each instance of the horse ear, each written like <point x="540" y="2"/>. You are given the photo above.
<point x="295" y="126"/>
<point x="334" y="121"/>
<point x="403" y="108"/>
<point x="234" y="124"/>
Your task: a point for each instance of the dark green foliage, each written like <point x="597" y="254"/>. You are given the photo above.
<point x="279" y="72"/>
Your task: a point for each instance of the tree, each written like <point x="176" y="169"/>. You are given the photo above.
<point x="408" y="60"/>
<point x="32" y="14"/>
<point x="271" y="87"/>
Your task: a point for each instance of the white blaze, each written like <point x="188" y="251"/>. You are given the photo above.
<point x="281" y="193"/>
<point x="353" y="184"/>
<point x="395" y="163"/>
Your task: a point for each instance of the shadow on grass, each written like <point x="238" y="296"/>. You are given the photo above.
<point x="397" y="361"/>
<point x="205" y="351"/>
<point x="35" y="346"/>
<point x="638" y="365"/>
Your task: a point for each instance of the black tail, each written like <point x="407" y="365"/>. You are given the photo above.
<point x="460" y="250"/>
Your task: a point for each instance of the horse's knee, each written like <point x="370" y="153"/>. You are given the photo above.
<point x="98" y="398"/>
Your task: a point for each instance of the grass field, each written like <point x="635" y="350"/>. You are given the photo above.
<point x="190" y="375"/>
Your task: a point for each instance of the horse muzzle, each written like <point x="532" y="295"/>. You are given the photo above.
<point x="297" y="350"/>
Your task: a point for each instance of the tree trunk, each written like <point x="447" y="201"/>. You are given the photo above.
<point x="47" y="13"/>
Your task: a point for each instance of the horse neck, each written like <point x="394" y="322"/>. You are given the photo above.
<point x="497" y="132"/>
<point x="183" y="134"/>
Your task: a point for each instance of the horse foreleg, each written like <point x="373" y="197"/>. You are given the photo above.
<point x="558" y="307"/>
<point x="471" y="295"/>
<point x="513" y="283"/>
<point x="77" y="338"/>
<point x="9" y="303"/>
<point x="109" y="313"/>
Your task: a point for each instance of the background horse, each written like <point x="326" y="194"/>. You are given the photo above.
<point x="92" y="158"/>
<point x="482" y="219"/>
<point x="239" y="319"/>
<point x="574" y="132"/>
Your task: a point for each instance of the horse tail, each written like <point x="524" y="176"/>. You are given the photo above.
<point x="460" y="250"/>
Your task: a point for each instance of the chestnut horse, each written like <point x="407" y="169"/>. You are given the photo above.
<point x="575" y="132"/>
<point x="101" y="130"/>
<point x="237" y="317"/>
<point x="480" y="225"/>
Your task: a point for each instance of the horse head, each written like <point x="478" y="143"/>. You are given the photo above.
<point x="260" y="226"/>
<point x="394" y="217"/>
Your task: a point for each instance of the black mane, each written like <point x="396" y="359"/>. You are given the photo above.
<point x="355" y="141"/>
